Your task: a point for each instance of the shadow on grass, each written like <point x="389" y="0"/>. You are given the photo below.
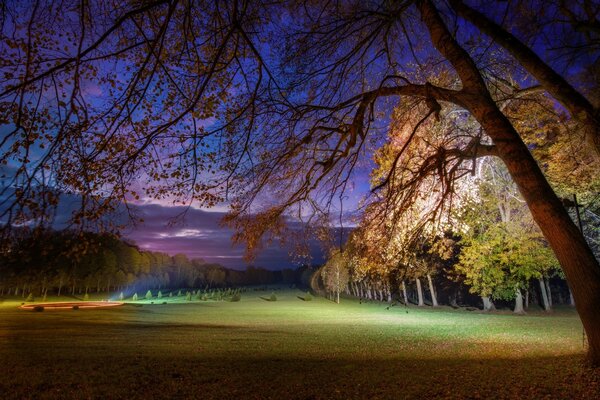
<point x="228" y="376"/>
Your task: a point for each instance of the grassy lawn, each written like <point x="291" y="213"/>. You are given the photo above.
<point x="290" y="349"/>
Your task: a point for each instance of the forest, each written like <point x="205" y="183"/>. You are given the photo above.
<point x="51" y="263"/>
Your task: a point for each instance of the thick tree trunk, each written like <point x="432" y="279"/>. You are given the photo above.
<point x="519" y="302"/>
<point x="404" y="294"/>
<point x="579" y="264"/>
<point x="578" y="105"/>
<point x="488" y="304"/>
<point x="545" y="302"/>
<point x="434" y="301"/>
<point x="420" y="293"/>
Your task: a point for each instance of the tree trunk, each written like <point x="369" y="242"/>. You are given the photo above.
<point x="570" y="247"/>
<point x="337" y="296"/>
<point x="548" y="291"/>
<point x="404" y="294"/>
<point x="527" y="299"/>
<point x="420" y="293"/>
<point x="432" y="290"/>
<point x="488" y="304"/>
<point x="544" y="295"/>
<point x="519" y="302"/>
<point x="571" y="299"/>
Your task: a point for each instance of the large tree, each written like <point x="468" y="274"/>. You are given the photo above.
<point x="273" y="105"/>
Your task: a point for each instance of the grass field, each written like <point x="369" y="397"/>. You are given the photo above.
<point x="290" y="349"/>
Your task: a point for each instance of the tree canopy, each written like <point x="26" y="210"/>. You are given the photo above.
<point x="272" y="107"/>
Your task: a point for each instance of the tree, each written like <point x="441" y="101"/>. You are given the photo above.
<point x="294" y="103"/>
<point x="335" y="274"/>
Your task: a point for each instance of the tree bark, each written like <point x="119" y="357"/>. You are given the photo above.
<point x="434" y="301"/>
<point x="488" y="304"/>
<point x="519" y="302"/>
<point x="420" y="293"/>
<point x="404" y="294"/>
<point x="545" y="302"/>
<point x="548" y="291"/>
<point x="578" y="105"/>
<point x="570" y="247"/>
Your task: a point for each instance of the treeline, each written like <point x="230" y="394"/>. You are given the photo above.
<point x="65" y="262"/>
<point x="434" y="283"/>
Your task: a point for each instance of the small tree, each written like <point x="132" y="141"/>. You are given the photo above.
<point x="335" y="273"/>
<point x="159" y="295"/>
<point x="148" y="295"/>
<point x="135" y="297"/>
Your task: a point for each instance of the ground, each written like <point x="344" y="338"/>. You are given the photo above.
<point x="290" y="349"/>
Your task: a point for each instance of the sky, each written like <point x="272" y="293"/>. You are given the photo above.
<point x="200" y="235"/>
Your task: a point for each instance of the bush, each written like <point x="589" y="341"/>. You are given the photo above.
<point x="188" y="297"/>
<point x="134" y="298"/>
<point x="236" y="297"/>
<point x="159" y="295"/>
<point x="38" y="308"/>
<point x="308" y="297"/>
<point x="170" y="294"/>
<point x="148" y="295"/>
<point x="30" y="298"/>
<point x="273" y="297"/>
<point x="179" y="294"/>
<point x="86" y="297"/>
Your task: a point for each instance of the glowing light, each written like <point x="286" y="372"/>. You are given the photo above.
<point x="64" y="305"/>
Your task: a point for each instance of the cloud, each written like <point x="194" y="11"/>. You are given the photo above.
<point x="200" y="235"/>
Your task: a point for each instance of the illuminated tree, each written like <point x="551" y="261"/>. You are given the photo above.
<point x="206" y="101"/>
<point x="335" y="274"/>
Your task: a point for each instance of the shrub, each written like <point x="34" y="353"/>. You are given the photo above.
<point x="188" y="297"/>
<point x="179" y="294"/>
<point x="236" y="297"/>
<point x="148" y="295"/>
<point x="159" y="295"/>
<point x="134" y="298"/>
<point x="170" y="294"/>
<point x="308" y="297"/>
<point x="273" y="297"/>
<point x="86" y="297"/>
<point x="38" y="308"/>
<point x="30" y="298"/>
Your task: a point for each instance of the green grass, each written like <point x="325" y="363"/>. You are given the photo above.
<point x="290" y="349"/>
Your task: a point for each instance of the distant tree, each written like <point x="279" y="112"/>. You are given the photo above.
<point x="335" y="274"/>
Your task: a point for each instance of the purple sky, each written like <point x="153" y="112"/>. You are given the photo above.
<point x="201" y="236"/>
